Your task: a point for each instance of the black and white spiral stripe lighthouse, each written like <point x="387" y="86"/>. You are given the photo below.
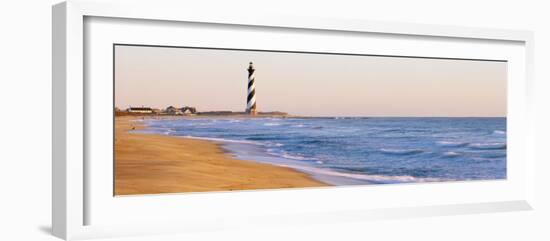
<point x="251" y="96"/>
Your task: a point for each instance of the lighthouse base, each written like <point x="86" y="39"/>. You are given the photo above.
<point x="251" y="112"/>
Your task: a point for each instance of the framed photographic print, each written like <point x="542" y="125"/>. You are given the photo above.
<point x="432" y="120"/>
<point x="177" y="121"/>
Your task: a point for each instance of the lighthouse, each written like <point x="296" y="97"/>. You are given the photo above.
<point x="251" y="91"/>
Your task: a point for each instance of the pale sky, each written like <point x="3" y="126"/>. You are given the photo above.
<point x="309" y="84"/>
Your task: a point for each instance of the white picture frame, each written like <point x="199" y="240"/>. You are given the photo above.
<point x="73" y="192"/>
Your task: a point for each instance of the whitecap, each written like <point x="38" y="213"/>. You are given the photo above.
<point x="294" y="157"/>
<point x="451" y="154"/>
<point x="488" y="146"/>
<point x="401" y="151"/>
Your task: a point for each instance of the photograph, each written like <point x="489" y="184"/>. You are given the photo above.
<point x="193" y="119"/>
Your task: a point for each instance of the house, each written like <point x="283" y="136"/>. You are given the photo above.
<point x="188" y="109"/>
<point x="171" y="110"/>
<point x="140" y="110"/>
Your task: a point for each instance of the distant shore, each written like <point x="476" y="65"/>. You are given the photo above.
<point x="151" y="164"/>
<point x="207" y="113"/>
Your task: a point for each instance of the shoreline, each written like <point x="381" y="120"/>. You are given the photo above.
<point x="245" y="150"/>
<point x="154" y="164"/>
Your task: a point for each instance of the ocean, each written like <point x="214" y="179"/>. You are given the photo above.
<point x="350" y="150"/>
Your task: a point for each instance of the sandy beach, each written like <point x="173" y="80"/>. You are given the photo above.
<point x="151" y="164"/>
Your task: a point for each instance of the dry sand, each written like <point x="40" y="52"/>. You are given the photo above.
<point x="151" y="164"/>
